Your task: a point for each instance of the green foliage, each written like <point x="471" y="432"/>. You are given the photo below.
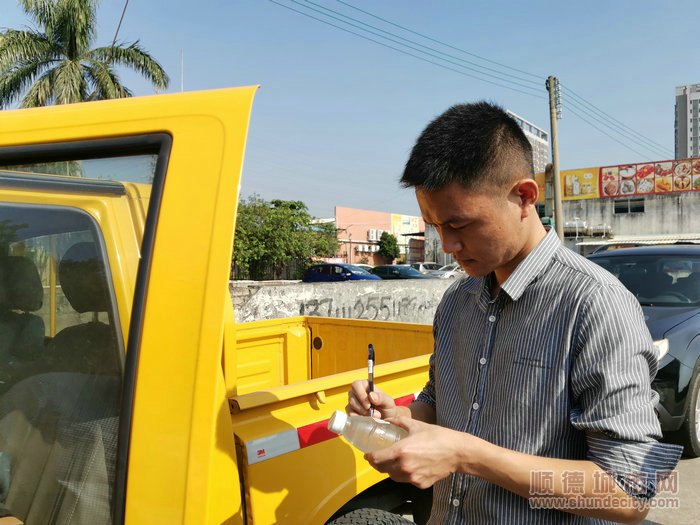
<point x="53" y="63"/>
<point x="276" y="233"/>
<point x="388" y="246"/>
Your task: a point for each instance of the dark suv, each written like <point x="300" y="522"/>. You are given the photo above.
<point x="397" y="271"/>
<point x="666" y="282"/>
<point x="336" y="272"/>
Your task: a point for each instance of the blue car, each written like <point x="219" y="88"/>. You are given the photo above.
<point x="337" y="272"/>
<point x="397" y="271"/>
<point x="666" y="282"/>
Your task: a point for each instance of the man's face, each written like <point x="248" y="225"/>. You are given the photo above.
<point x="483" y="232"/>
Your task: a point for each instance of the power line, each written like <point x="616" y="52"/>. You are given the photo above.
<point x="439" y="41"/>
<point x="606" y="134"/>
<point x="610" y="117"/>
<point x="587" y="108"/>
<point x="405" y="52"/>
<point x="654" y="150"/>
<point x="346" y="17"/>
<point x="114" y="42"/>
<point x="342" y="20"/>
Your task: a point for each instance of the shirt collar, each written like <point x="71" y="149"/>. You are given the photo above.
<point x="525" y="273"/>
<point x="532" y="266"/>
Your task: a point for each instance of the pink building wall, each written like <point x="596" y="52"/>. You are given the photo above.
<point x="354" y="232"/>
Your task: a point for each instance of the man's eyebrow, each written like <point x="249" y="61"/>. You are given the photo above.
<point x="449" y="220"/>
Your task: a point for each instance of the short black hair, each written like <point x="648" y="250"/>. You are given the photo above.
<point x="478" y="145"/>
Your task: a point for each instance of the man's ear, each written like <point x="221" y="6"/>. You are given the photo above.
<point x="526" y="191"/>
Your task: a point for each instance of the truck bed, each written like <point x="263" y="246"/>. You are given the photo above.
<point x="292" y="375"/>
<point x="280" y="352"/>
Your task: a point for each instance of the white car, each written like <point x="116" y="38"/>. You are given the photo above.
<point x="425" y="267"/>
<point x="449" y="271"/>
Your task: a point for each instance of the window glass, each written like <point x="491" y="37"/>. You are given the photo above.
<point x="663" y="280"/>
<point x="629" y="206"/>
<point x="60" y="368"/>
<point x="132" y="168"/>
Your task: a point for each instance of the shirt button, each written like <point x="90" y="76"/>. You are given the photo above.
<point x="492" y="318"/>
<point x="455" y="502"/>
<point x="482" y="361"/>
<point x="475" y="406"/>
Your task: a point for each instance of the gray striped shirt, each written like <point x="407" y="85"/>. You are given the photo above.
<point x="558" y="365"/>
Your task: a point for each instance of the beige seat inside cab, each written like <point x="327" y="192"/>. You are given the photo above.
<point x="58" y="425"/>
<point x="21" y="331"/>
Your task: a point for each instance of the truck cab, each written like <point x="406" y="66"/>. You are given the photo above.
<point x="128" y="394"/>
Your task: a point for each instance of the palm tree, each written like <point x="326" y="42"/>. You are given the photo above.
<point x="53" y="63"/>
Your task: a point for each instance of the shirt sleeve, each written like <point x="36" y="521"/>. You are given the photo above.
<point x="612" y="399"/>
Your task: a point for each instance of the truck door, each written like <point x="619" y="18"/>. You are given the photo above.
<point x="113" y="407"/>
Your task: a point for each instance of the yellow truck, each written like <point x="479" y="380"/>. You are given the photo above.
<point x="128" y="394"/>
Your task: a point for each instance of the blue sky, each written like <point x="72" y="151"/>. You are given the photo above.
<point x="337" y="115"/>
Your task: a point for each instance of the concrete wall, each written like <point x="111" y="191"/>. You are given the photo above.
<point x="663" y="214"/>
<point x="406" y="300"/>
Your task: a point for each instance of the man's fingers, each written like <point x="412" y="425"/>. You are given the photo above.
<point x="405" y="423"/>
<point x="355" y="406"/>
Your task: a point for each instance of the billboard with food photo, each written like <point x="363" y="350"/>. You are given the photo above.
<point x="682" y="175"/>
<point x="649" y="178"/>
<point x="580" y="184"/>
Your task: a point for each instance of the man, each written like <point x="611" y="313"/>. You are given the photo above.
<point x="539" y="383"/>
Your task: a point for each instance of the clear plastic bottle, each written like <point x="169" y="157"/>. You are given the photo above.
<point x="365" y="433"/>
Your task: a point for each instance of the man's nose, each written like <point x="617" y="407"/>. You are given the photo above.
<point x="451" y="242"/>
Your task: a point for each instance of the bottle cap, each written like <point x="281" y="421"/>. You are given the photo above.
<point x="337" y="422"/>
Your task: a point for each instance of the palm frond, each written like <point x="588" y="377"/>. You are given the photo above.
<point x="40" y="10"/>
<point x="14" y="82"/>
<point x="23" y="47"/>
<point x="68" y="83"/>
<point x="41" y="92"/>
<point x="136" y="58"/>
<point x="74" y="25"/>
<point x="105" y="81"/>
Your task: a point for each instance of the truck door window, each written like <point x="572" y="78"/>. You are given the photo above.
<point x="129" y="168"/>
<point x="60" y="367"/>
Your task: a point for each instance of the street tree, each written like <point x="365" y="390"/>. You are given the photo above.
<point x="388" y="246"/>
<point x="54" y="62"/>
<point x="274" y="234"/>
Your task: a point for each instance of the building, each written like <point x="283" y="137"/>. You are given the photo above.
<point x="651" y="202"/>
<point x="359" y="232"/>
<point x="539" y="140"/>
<point x="687" y="123"/>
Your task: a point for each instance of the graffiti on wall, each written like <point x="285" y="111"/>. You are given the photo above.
<point x="372" y="308"/>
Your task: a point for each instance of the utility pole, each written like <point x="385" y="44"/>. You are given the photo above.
<point x="554" y="115"/>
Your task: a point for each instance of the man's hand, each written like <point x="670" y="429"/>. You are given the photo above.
<point x="429" y="454"/>
<point x="360" y="398"/>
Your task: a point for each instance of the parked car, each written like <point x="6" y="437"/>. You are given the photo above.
<point x="666" y="281"/>
<point x="449" y="271"/>
<point x="364" y="266"/>
<point x="425" y="267"/>
<point x="398" y="271"/>
<point x="336" y="272"/>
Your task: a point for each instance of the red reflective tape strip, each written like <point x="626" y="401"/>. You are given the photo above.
<point x="318" y="432"/>
<point x="405" y="400"/>
<point x="314" y="433"/>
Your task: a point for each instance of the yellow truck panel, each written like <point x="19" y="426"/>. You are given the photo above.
<point x="121" y="356"/>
